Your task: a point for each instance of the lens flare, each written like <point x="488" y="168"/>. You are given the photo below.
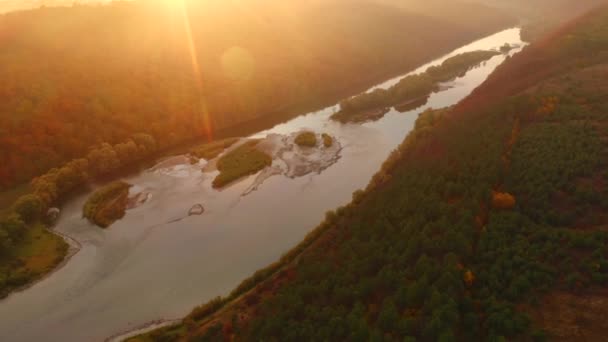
<point x="203" y="118"/>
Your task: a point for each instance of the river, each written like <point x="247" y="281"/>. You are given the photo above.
<point x="154" y="265"/>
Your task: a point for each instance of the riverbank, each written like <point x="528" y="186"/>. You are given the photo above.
<point x="74" y="247"/>
<point x="43" y="252"/>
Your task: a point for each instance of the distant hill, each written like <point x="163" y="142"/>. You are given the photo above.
<point x="18" y="5"/>
<point x="487" y="224"/>
<point x="74" y="77"/>
<point x="540" y="16"/>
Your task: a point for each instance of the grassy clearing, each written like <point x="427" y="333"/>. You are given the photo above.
<point x="107" y="204"/>
<point x="38" y="253"/>
<point x="243" y="161"/>
<point x="213" y="149"/>
<point x="306" y="139"/>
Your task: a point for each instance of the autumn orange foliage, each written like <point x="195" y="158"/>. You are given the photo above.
<point x="503" y="200"/>
<point x="469" y="278"/>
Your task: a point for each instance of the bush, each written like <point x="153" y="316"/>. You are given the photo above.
<point x="29" y="207"/>
<point x="306" y="139"/>
<point x="502" y="200"/>
<point x="204" y="310"/>
<point x="328" y="141"/>
<point x="107" y="204"/>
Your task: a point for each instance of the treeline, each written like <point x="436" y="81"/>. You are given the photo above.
<point x="104" y="160"/>
<point x="413" y="88"/>
<point x="51" y="189"/>
<point x="451" y="241"/>
<point x="71" y="80"/>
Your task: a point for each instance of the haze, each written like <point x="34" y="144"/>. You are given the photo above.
<point x="314" y="170"/>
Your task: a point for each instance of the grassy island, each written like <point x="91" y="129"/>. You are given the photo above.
<point x="410" y="91"/>
<point x="243" y="161"/>
<point x="458" y="65"/>
<point x="506" y="48"/>
<point x="107" y="204"/>
<point x="306" y="139"/>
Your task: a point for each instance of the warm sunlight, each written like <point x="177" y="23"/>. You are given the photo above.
<point x="303" y="170"/>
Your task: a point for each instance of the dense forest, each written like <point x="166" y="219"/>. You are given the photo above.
<point x="184" y="70"/>
<point x="486" y="212"/>
<point x="541" y="16"/>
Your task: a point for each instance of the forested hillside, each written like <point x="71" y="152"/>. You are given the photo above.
<point x="76" y="77"/>
<point x="541" y="16"/>
<point x="488" y="223"/>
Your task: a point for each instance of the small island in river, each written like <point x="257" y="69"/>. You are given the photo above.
<point x="409" y="92"/>
<point x="244" y="160"/>
<point x="107" y="204"/>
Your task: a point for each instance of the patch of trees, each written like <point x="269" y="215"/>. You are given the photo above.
<point x="102" y="161"/>
<point x="548" y="160"/>
<point x="107" y="204"/>
<point x="412" y="89"/>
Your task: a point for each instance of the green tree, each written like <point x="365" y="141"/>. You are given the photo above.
<point x="5" y="242"/>
<point x="389" y="317"/>
<point x="14" y="226"/>
<point x="29" y="207"/>
<point x="103" y="160"/>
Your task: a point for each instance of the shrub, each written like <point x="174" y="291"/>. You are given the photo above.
<point x="502" y="200"/>
<point x="29" y="207"/>
<point x="328" y="141"/>
<point x="306" y="139"/>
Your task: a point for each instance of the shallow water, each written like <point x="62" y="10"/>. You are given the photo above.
<point x="158" y="263"/>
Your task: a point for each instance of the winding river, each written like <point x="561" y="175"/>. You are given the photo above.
<point x="158" y="263"/>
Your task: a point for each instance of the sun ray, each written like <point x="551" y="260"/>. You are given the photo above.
<point x="203" y="115"/>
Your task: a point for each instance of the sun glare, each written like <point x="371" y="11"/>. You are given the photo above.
<point x="182" y="10"/>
